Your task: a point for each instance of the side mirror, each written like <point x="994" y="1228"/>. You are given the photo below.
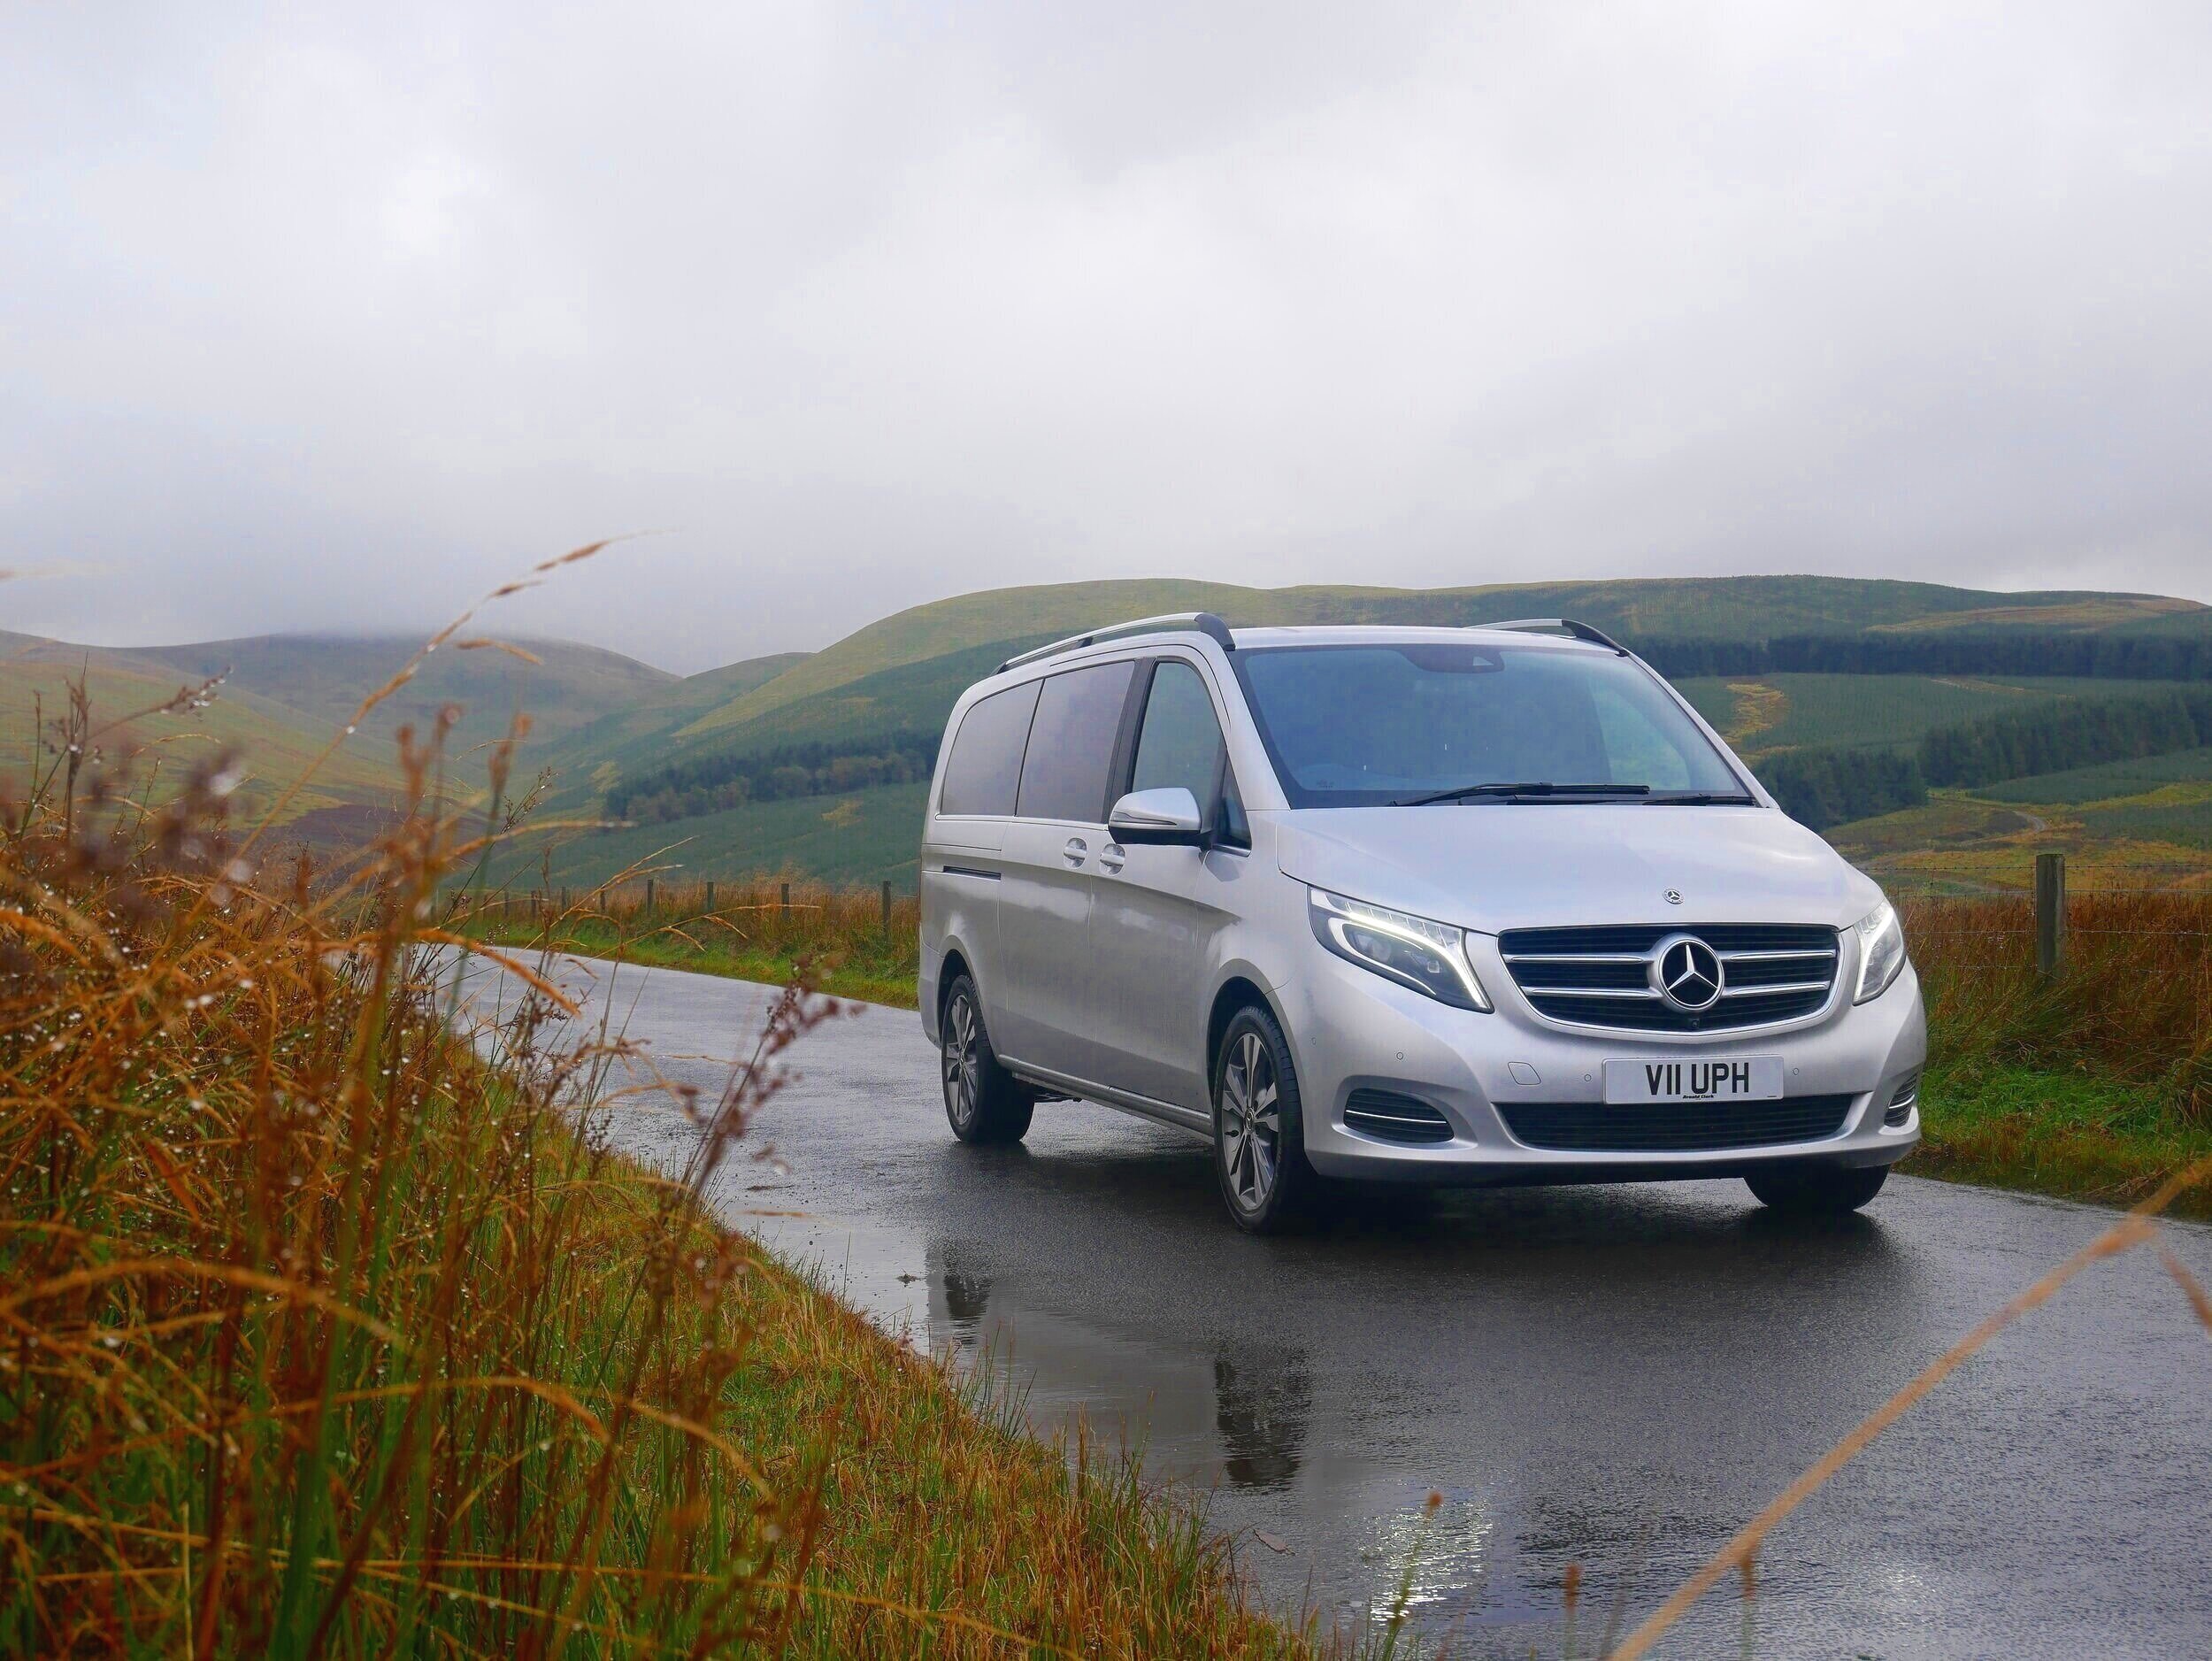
<point x="1165" y="818"/>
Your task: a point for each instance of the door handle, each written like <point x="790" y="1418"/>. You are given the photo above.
<point x="1111" y="857"/>
<point x="1076" y="851"/>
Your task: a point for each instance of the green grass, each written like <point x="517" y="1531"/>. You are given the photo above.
<point x="863" y="836"/>
<point x="2174" y="823"/>
<point x="2078" y="1133"/>
<point x="870" y="968"/>
<point x="2102" y="783"/>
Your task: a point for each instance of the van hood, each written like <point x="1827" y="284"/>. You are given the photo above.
<point x="1500" y="866"/>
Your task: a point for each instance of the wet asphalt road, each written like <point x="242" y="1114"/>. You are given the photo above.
<point x="1613" y="1377"/>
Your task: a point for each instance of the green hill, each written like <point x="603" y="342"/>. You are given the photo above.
<point x="286" y="697"/>
<point x="1700" y="608"/>
<point x="730" y="777"/>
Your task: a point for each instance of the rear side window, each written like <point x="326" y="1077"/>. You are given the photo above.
<point x="1180" y="740"/>
<point x="1071" y="744"/>
<point x="984" y="770"/>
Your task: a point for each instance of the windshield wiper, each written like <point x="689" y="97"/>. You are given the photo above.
<point x="1509" y="792"/>
<point x="1697" y="798"/>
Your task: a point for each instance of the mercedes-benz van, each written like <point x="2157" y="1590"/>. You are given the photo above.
<point x="1484" y="905"/>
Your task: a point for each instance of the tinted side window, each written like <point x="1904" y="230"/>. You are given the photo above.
<point x="986" y="764"/>
<point x="1071" y="744"/>
<point x="1180" y="742"/>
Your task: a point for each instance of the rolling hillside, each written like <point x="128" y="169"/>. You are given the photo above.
<point x="877" y="699"/>
<point x="815" y="762"/>
<point x="1730" y="609"/>
<point x="287" y="697"/>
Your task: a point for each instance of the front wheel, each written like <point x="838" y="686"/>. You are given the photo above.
<point x="1259" y="1128"/>
<point x="1831" y="1190"/>
<point x="983" y="1100"/>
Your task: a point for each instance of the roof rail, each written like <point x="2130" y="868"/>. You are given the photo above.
<point x="1202" y="622"/>
<point x="1564" y="626"/>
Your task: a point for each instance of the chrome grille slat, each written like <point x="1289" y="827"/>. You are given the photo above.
<point x="1578" y="956"/>
<point x="1395" y="1118"/>
<point x="1593" y="976"/>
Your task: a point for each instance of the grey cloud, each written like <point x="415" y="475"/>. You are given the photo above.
<point x="338" y="319"/>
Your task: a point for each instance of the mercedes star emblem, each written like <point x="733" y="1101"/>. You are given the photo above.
<point x="1686" y="972"/>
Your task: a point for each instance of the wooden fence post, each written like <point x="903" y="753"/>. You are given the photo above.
<point x="710" y="896"/>
<point x="784" y="905"/>
<point x="563" y="899"/>
<point x="887" y="905"/>
<point x="648" y="897"/>
<point x="2050" y="914"/>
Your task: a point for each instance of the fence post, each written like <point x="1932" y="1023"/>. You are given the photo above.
<point x="563" y="899"/>
<point x="2050" y="914"/>
<point x="887" y="905"/>
<point x="648" y="897"/>
<point x="710" y="896"/>
<point x="784" y="905"/>
<point x="534" y="906"/>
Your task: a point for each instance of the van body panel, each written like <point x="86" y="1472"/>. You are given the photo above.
<point x="1100" y="965"/>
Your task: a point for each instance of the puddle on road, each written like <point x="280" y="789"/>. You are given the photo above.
<point x="1234" y="1425"/>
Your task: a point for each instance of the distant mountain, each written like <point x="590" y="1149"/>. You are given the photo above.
<point x="326" y="677"/>
<point x="288" y="695"/>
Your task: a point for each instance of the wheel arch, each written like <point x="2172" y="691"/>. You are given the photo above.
<point x="1239" y="989"/>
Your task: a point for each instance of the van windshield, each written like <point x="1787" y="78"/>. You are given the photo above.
<point x="1362" y="725"/>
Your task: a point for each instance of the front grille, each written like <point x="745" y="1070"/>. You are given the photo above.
<point x="1599" y="976"/>
<point x="1395" y="1118"/>
<point x="1674" y="1126"/>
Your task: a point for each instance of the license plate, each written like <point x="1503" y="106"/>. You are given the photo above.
<point x="1702" y="1079"/>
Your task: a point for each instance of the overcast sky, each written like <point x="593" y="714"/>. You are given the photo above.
<point x="333" y="321"/>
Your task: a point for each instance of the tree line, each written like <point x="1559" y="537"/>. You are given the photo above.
<point x="2070" y="733"/>
<point x="715" y="783"/>
<point x="1820" y="787"/>
<point x="1961" y="652"/>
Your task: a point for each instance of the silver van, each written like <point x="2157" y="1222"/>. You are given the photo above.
<point x="1487" y="905"/>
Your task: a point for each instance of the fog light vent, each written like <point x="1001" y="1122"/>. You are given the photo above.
<point x="1393" y="1118"/>
<point x="1900" y="1105"/>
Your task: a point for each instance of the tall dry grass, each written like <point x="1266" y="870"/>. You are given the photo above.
<point x="319" y="1335"/>
<point x="2132" y="998"/>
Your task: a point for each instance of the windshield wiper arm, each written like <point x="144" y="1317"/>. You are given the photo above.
<point x="1542" y="788"/>
<point x="1697" y="798"/>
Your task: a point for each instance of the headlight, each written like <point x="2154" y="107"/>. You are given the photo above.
<point x="1881" y="950"/>
<point x="1428" y="957"/>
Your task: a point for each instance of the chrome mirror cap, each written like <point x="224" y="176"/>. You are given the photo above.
<point x="1168" y="816"/>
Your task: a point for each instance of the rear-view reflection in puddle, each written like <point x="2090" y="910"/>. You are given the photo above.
<point x="1494" y="1363"/>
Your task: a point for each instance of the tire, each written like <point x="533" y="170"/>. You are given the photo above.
<point x="1259" y="1128"/>
<point x="983" y="1101"/>
<point x="1827" y="1191"/>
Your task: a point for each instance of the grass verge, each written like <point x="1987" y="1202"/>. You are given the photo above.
<point x="323" y="1332"/>
<point x="2079" y="1133"/>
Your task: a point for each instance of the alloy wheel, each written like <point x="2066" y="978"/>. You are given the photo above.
<point x="1251" y="1122"/>
<point x="963" y="1063"/>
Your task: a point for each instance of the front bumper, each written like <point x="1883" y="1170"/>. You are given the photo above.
<point x="1351" y="1030"/>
